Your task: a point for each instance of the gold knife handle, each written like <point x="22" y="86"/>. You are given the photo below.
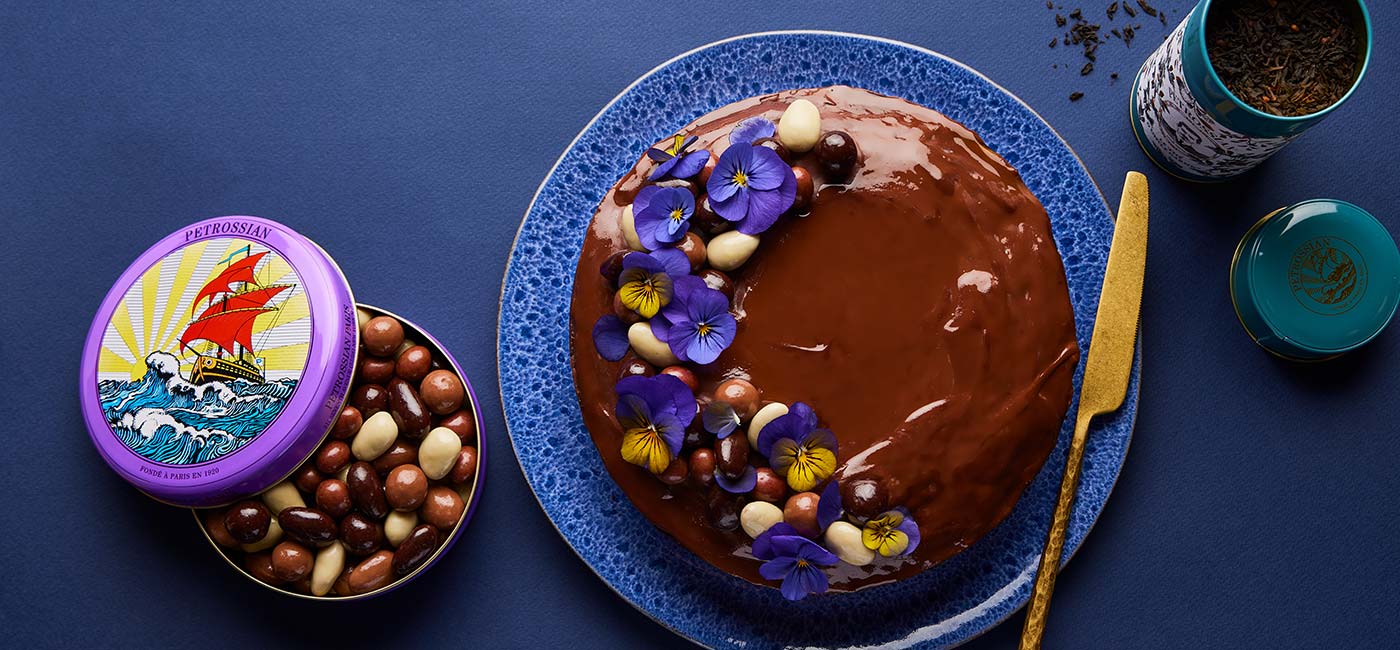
<point x="1039" y="607"/>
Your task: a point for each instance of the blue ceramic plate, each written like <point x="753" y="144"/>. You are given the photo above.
<point x="941" y="607"/>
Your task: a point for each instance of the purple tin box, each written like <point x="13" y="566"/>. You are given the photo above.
<point x="219" y="361"/>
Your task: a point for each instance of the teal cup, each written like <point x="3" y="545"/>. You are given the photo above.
<point x="1193" y="127"/>
<point x="1315" y="279"/>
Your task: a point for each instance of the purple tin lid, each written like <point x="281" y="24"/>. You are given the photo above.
<point x="218" y="361"/>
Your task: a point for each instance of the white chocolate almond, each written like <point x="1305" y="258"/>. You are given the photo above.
<point x="759" y="516"/>
<point x="800" y="126"/>
<point x="843" y="538"/>
<point x="375" y="437"/>
<point x="770" y="411"/>
<point x="647" y="346"/>
<point x="629" y="230"/>
<point x="281" y="496"/>
<point x="729" y="250"/>
<point x="330" y="562"/>
<point x="398" y="525"/>
<point x="438" y="452"/>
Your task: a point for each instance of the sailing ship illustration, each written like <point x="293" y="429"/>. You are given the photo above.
<point x="224" y="327"/>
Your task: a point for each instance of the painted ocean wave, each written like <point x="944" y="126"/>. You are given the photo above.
<point x="168" y="420"/>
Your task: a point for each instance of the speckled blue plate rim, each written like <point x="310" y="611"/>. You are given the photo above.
<point x="942" y="607"/>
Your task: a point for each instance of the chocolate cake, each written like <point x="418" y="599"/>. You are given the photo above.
<point x="907" y="302"/>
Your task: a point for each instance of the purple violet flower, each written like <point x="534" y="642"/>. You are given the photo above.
<point x="829" y="506"/>
<point x="662" y="215"/>
<point x="720" y="419"/>
<point x="673" y="262"/>
<point x="793" y="559"/>
<point x="752" y="187"/>
<point x="750" y="129"/>
<point x="610" y="337"/>
<point x="742" y="485"/>
<point x="675" y="162"/>
<point x="703" y="328"/>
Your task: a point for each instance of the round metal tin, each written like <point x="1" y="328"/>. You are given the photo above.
<point x="470" y="493"/>
<point x="218" y="361"/>
<point x="1315" y="280"/>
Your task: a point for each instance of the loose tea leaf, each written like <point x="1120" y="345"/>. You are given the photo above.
<point x="1089" y="36"/>
<point x="1285" y="58"/>
<point x="1075" y="96"/>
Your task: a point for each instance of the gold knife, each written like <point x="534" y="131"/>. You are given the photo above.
<point x="1106" y="375"/>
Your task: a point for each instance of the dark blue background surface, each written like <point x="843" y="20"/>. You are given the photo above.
<point x="1257" y="508"/>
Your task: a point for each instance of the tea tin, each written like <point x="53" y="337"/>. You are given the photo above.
<point x="227" y="298"/>
<point x="1192" y="126"/>
<point x="1315" y="279"/>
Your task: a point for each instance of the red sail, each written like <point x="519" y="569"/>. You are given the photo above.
<point x="240" y="271"/>
<point x="225" y="328"/>
<point x="251" y="299"/>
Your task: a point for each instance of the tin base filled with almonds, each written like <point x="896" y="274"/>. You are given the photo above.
<point x="387" y="491"/>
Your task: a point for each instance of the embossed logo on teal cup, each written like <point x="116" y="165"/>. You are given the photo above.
<point x="1316" y="279"/>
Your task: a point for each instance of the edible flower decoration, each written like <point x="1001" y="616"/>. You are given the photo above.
<point x="662" y="215"/>
<point x="750" y="129"/>
<point x="890" y="534"/>
<point x="654" y="412"/>
<point x="742" y="485"/>
<point x="720" y="419"/>
<point x="829" y="506"/>
<point x="610" y="337"/>
<point x="795" y="560"/>
<point x="751" y="186"/>
<point x="797" y="450"/>
<point x="644" y="286"/>
<point x="703" y="327"/>
<point x="675" y="162"/>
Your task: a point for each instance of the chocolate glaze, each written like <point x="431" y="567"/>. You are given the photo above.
<point x="921" y="310"/>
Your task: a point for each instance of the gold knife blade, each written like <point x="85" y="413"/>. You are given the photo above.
<point x="1106" y="375"/>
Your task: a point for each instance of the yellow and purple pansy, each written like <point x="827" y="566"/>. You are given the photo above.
<point x="662" y="215"/>
<point x="654" y="412"/>
<point x="675" y="161"/>
<point x="795" y="560"/>
<point x="892" y="533"/>
<point x="751" y="186"/>
<point x="645" y="286"/>
<point x="797" y="450"/>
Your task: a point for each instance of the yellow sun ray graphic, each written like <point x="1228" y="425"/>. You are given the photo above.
<point x="159" y="308"/>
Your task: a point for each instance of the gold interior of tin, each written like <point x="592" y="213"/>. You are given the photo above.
<point x="467" y="500"/>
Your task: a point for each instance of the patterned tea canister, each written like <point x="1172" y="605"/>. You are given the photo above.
<point x="1192" y="126"/>
<point x="1315" y="279"/>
